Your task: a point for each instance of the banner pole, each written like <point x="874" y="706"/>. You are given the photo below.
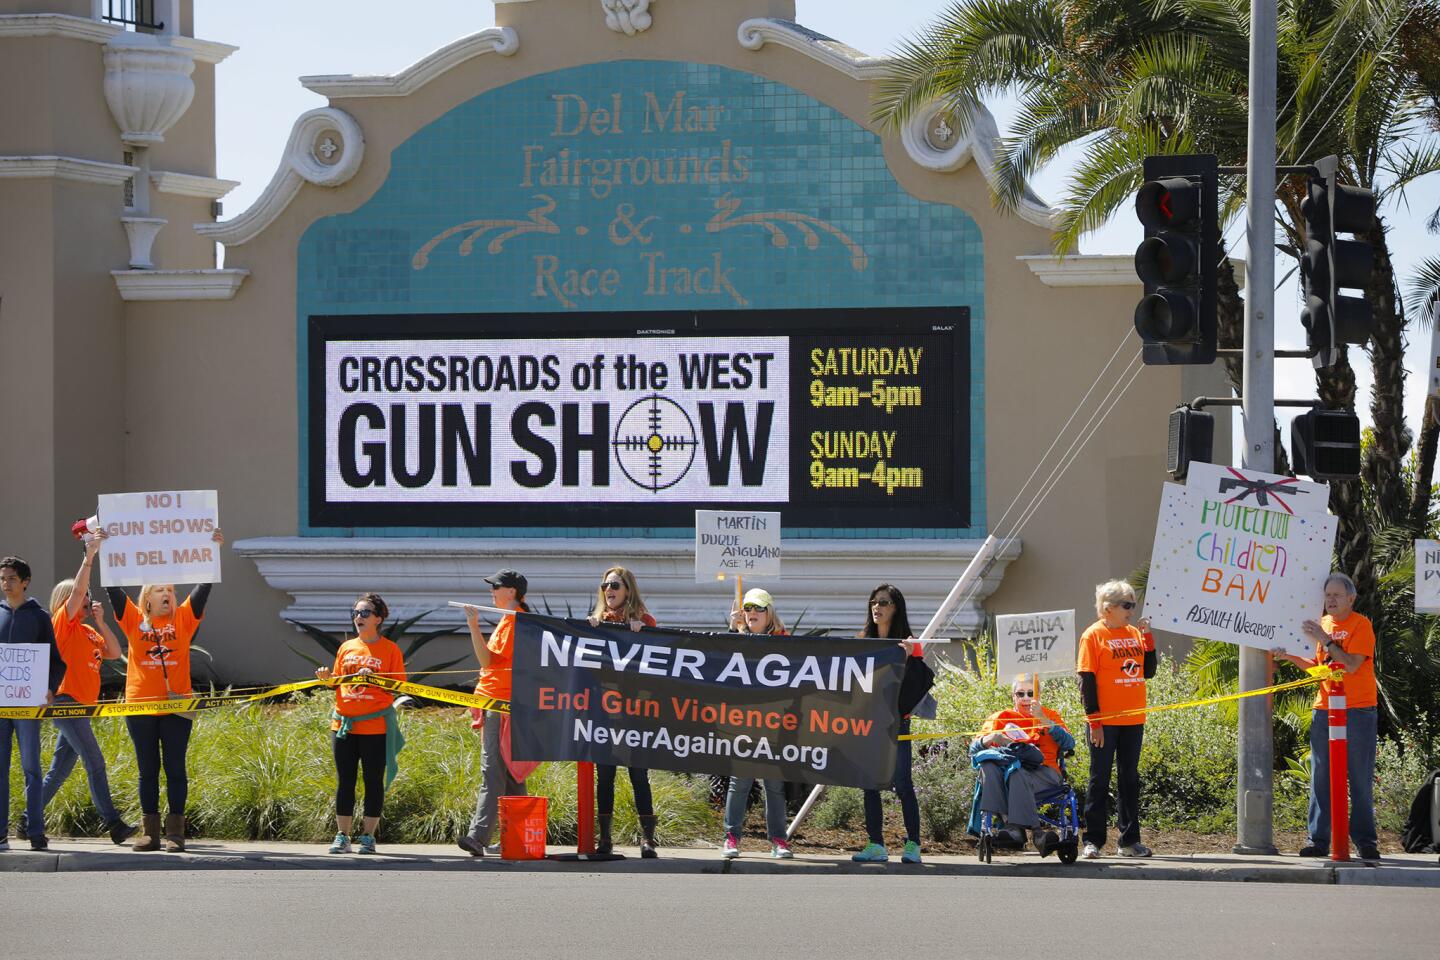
<point x="810" y="801"/>
<point x="973" y="571"/>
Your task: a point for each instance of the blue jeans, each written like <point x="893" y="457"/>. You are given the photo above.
<point x="76" y="741"/>
<point x="738" y="797"/>
<point x="904" y="789"/>
<point x="28" y="733"/>
<point x="1360" y="763"/>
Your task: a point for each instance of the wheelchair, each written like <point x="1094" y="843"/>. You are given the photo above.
<point x="1057" y="809"/>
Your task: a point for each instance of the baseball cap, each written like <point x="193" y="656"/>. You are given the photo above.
<point x="508" y="578"/>
<point x="758" y="597"/>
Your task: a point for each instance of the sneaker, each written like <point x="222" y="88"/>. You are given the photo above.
<point x="492" y="849"/>
<point x="471" y="846"/>
<point x="120" y="831"/>
<point x="730" y="849"/>
<point x="911" y="853"/>
<point x="1091" y="852"/>
<point x="1010" y="838"/>
<point x="1315" y="850"/>
<point x="780" y="850"/>
<point x="367" y="843"/>
<point x="4" y="844"/>
<point x="341" y="844"/>
<point x="1135" y="850"/>
<point x="1369" y="853"/>
<point x="38" y="841"/>
<point x="873" y="853"/>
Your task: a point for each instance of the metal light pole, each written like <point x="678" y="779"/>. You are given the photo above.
<point x="1254" y="793"/>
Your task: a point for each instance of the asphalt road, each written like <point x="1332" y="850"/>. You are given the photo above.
<point x="322" y="913"/>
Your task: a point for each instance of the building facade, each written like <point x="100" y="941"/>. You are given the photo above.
<point x="533" y="301"/>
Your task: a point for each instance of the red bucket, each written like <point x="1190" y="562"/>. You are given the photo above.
<point x="522" y="827"/>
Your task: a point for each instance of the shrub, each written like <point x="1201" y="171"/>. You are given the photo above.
<point x="842" y="808"/>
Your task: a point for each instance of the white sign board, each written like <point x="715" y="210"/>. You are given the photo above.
<point x="24" y="674"/>
<point x="729" y="543"/>
<point x="1240" y="556"/>
<point x="162" y="537"/>
<point x="1034" y="643"/>
<point x="1427" y="576"/>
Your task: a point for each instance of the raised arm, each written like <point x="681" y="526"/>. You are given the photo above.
<point x="75" y="606"/>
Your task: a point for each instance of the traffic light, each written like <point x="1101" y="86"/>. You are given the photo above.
<point x="1178" y="259"/>
<point x="1192" y="437"/>
<point x="1325" y="444"/>
<point x="1328" y="264"/>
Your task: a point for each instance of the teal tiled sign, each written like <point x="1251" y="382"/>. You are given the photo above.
<point x="637" y="187"/>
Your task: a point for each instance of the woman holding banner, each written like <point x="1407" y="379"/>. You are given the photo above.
<point x="497" y="779"/>
<point x="157" y="669"/>
<point x="757" y="615"/>
<point x="1115" y="660"/>
<point x="886" y="617"/>
<point x="618" y="601"/>
<point x="364" y="731"/>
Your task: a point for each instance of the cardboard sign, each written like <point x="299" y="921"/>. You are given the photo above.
<point x="1034" y="643"/>
<point x="728" y="543"/>
<point x="1427" y="576"/>
<point x="162" y="537"/>
<point x="1242" y="557"/>
<point x="24" y="674"/>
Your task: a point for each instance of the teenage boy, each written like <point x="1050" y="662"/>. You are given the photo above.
<point x="22" y="620"/>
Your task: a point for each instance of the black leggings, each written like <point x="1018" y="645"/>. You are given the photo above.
<point x="1121" y="750"/>
<point x="351" y="752"/>
<point x="639" y="784"/>
<point x="161" y="740"/>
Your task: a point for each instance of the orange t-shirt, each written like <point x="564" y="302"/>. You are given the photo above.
<point x="1117" y="658"/>
<point x="1355" y="634"/>
<point x="159" y="655"/>
<point x="382" y="657"/>
<point x="83" y="650"/>
<point x="495" y="679"/>
<point x="1033" y="727"/>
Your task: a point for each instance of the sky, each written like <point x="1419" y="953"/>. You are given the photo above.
<point x="259" y="97"/>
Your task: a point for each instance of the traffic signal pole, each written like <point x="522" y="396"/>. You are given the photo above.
<point x="1254" y="790"/>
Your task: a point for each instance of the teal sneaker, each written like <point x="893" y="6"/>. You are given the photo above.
<point x="341" y="844"/>
<point x="912" y="852"/>
<point x="367" y="843"/>
<point x="873" y="853"/>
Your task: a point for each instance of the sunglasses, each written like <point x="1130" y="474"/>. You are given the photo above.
<point x="1124" y="604"/>
<point x="361" y="614"/>
<point x="612" y="585"/>
<point x="1024" y="693"/>
<point x="882" y="602"/>
<point x="754" y="608"/>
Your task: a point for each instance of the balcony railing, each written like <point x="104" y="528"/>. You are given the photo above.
<point x="131" y="14"/>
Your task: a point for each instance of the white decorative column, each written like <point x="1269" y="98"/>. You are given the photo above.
<point x="141" y="232"/>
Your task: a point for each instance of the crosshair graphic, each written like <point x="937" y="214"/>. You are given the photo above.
<point x="655" y="442"/>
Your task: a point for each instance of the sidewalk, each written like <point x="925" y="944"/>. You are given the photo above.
<point x="65" y="855"/>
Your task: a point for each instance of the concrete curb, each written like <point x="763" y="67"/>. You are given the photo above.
<point x="67" y="856"/>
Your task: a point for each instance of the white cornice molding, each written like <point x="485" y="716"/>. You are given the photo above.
<point x="826" y="579"/>
<point x="179" y="284"/>
<point x="97" y="31"/>
<point x="297" y="167"/>
<point x="1096" y="270"/>
<point x="978" y="144"/>
<point x="502" y="40"/>
<point x="190" y="185"/>
<point x="66" y="168"/>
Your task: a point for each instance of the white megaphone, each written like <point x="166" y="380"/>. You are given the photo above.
<point x="85" y="530"/>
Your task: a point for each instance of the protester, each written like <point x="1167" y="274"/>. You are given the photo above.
<point x="618" y="601"/>
<point x="157" y="669"/>
<point x="364" y="730"/>
<point x="1008" y="783"/>
<point x="886" y="617"/>
<point x="1115" y="660"/>
<point x="1346" y="639"/>
<point x="22" y="620"/>
<point x="756" y="615"/>
<point x="84" y="649"/>
<point x="497" y="770"/>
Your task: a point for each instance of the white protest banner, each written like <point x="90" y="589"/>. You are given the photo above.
<point x="24" y="674"/>
<point x="1427" y="576"/>
<point x="731" y="543"/>
<point x="1240" y="556"/>
<point x="1034" y="643"/>
<point x="162" y="537"/>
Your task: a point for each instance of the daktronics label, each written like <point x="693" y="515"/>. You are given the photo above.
<point x="679" y="420"/>
<point x="837" y="417"/>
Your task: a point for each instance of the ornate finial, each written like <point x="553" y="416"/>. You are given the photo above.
<point x="627" y="16"/>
